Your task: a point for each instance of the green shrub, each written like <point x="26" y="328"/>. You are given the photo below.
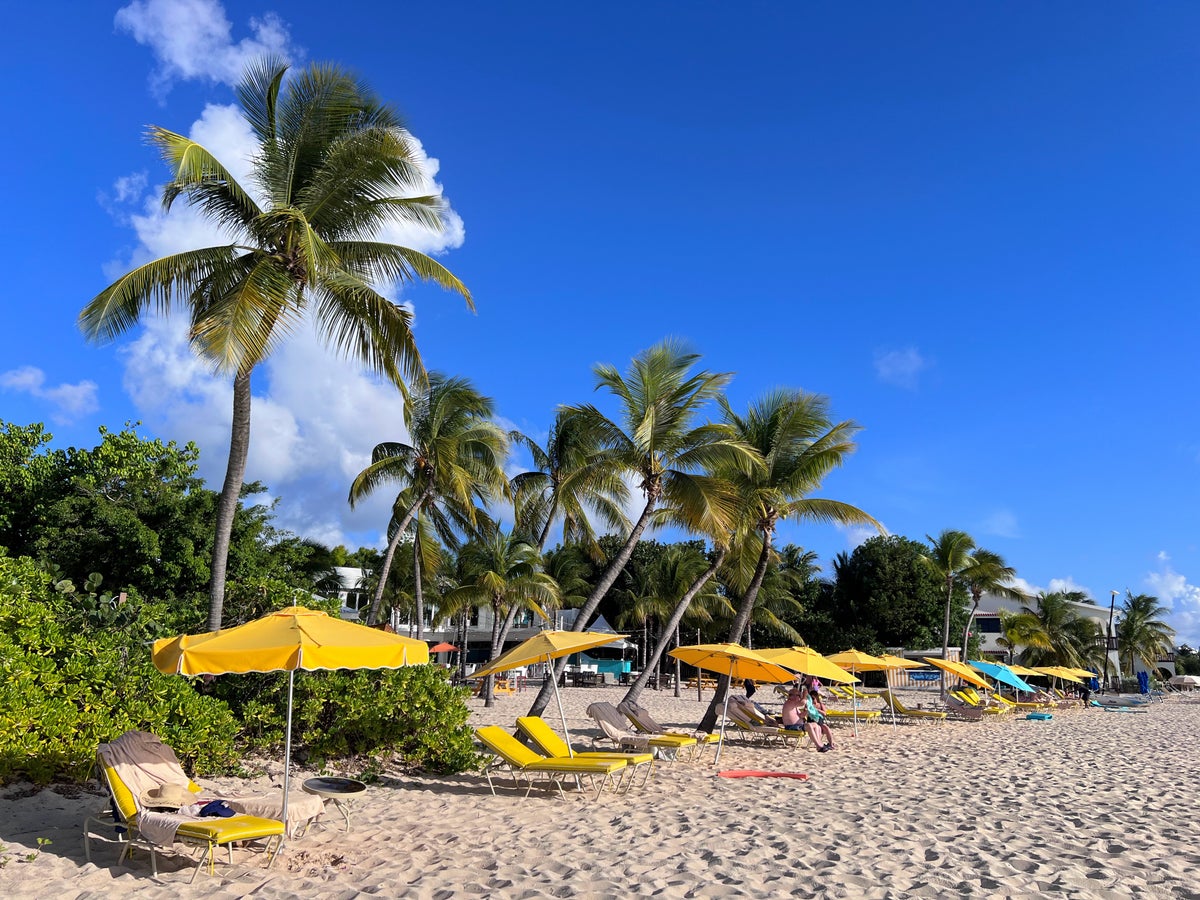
<point x="64" y="689"/>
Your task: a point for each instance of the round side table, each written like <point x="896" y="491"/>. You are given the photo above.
<point x="342" y="792"/>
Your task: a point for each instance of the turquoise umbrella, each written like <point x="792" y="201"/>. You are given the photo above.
<point x="1004" y="674"/>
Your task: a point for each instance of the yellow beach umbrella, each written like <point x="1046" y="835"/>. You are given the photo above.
<point x="808" y="662"/>
<point x="1059" y="672"/>
<point x="965" y="672"/>
<point x="544" y="647"/>
<point x="287" y="640"/>
<point x="1025" y="670"/>
<point x="734" y="661"/>
<point x="899" y="662"/>
<point x="856" y="661"/>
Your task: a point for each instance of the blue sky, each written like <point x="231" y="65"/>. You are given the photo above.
<point x="972" y="227"/>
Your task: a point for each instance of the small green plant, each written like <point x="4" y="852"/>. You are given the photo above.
<point x="42" y="843"/>
<point x="4" y="857"/>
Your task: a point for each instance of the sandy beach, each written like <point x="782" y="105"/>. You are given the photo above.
<point x="1091" y="804"/>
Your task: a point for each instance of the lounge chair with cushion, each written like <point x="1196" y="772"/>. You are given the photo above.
<point x="755" y="730"/>
<point x="645" y="723"/>
<point x="548" y="743"/>
<point x="908" y="712"/>
<point x="524" y="762"/>
<point x="615" y="729"/>
<point x="136" y="768"/>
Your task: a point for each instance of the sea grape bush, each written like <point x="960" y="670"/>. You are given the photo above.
<point x="75" y="671"/>
<point x="64" y="689"/>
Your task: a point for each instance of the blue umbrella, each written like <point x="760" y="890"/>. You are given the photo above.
<point x="1003" y="674"/>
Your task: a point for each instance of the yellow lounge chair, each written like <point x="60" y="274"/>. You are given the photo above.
<point x="989" y="706"/>
<point x="206" y="834"/>
<point x="1023" y="704"/>
<point x="547" y="741"/>
<point x="521" y="761"/>
<point x="645" y="723"/>
<point x="900" y="709"/>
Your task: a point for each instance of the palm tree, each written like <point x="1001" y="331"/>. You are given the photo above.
<point x="456" y="457"/>
<point x="501" y="571"/>
<point x="1020" y="629"/>
<point x="793" y="434"/>
<point x="331" y="168"/>
<point x="570" y="477"/>
<point x="658" y="442"/>
<point x="990" y="575"/>
<point x="1142" y="634"/>
<point x="949" y="557"/>
<point x="1061" y="637"/>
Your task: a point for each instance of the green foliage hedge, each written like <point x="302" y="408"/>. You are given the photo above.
<point x="75" y="672"/>
<point x="65" y="688"/>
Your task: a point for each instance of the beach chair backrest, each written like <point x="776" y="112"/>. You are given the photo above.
<point x="640" y="717"/>
<point x="507" y="747"/>
<point x="611" y="723"/>
<point x="546" y="739"/>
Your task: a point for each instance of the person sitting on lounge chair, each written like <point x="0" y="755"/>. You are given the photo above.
<point x="795" y="718"/>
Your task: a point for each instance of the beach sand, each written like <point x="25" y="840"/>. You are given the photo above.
<point x="1091" y="804"/>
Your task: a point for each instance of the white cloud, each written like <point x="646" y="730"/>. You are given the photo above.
<point x="1001" y="523"/>
<point x="1174" y="590"/>
<point x="1066" y="586"/>
<point x="314" y="421"/>
<point x="857" y="535"/>
<point x="67" y="401"/>
<point x="900" y="367"/>
<point x="192" y="39"/>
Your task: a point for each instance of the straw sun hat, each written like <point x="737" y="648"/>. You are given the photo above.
<point x="165" y="796"/>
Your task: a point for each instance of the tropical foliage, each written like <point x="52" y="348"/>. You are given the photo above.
<point x="453" y="460"/>
<point x="1143" y="636"/>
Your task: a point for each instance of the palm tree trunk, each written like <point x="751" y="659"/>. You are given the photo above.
<point x="677" y="690"/>
<point x="235" y="472"/>
<point x="541" y="544"/>
<point x="946" y="631"/>
<point x="672" y="625"/>
<point x="386" y="566"/>
<point x="967" y="628"/>
<point x="709" y="722"/>
<point x="490" y="681"/>
<point x="418" y="593"/>
<point x="589" y="606"/>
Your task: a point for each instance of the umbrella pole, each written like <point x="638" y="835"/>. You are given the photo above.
<point x="887" y="676"/>
<point x="287" y="749"/>
<point x="724" y="716"/>
<point x="561" y="712"/>
<point x="854" y="704"/>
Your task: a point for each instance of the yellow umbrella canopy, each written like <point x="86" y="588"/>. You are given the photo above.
<point x="1058" y="672"/>
<point x="899" y="662"/>
<point x="857" y="661"/>
<point x="287" y="640"/>
<point x="965" y="672"/>
<point x="734" y="660"/>
<point x="544" y="646"/>
<point x="807" y="662"/>
<point x="1024" y="670"/>
<point x="1082" y="673"/>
